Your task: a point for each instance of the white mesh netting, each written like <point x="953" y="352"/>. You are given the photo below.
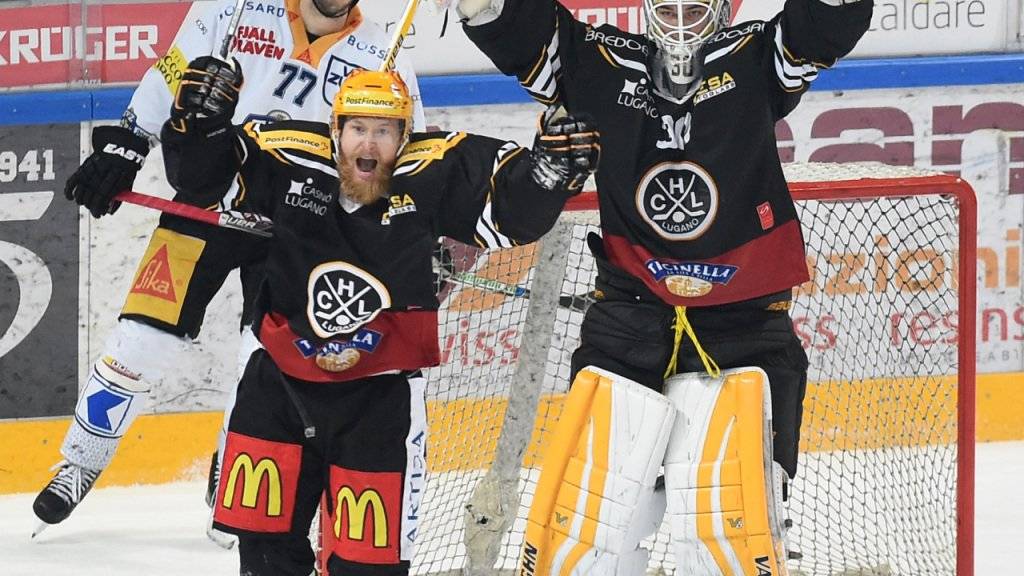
<point x="876" y="493"/>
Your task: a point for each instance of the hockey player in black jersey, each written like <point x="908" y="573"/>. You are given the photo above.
<point x="190" y="260"/>
<point x="347" y="313"/>
<point x="699" y="252"/>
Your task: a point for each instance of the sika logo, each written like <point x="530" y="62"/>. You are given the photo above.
<point x="342" y="297"/>
<point x="155" y="279"/>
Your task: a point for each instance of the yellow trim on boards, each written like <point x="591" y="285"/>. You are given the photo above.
<point x="168" y="447"/>
<point x="159" y="448"/>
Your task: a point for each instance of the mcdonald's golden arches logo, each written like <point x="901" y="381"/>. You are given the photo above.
<point x="357" y="505"/>
<point x="252" y="480"/>
<point x="258" y="486"/>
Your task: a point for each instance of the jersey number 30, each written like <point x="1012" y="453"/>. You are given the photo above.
<point x="678" y="132"/>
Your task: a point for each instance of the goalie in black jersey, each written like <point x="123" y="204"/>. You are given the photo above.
<point x="347" y="313"/>
<point x="699" y="252"/>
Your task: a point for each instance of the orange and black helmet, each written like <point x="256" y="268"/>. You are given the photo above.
<point x="375" y="94"/>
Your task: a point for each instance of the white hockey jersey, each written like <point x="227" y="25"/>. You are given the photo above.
<point x="286" y="76"/>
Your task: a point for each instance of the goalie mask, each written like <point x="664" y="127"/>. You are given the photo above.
<point x="678" y="29"/>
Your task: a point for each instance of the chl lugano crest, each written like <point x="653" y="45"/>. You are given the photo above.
<point x="343" y="297"/>
<point x="678" y="200"/>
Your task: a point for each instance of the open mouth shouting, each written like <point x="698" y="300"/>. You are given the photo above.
<point x="366" y="167"/>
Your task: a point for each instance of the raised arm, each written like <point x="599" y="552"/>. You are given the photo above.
<point x="119" y="151"/>
<point x="202" y="151"/>
<point x="807" y="36"/>
<point x="823" y="31"/>
<point x="499" y="195"/>
<point x="534" y="40"/>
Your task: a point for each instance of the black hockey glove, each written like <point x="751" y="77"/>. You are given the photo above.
<point x="566" y="150"/>
<point x="207" y="94"/>
<point x="117" y="155"/>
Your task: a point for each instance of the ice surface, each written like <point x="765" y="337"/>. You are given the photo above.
<point x="159" y="530"/>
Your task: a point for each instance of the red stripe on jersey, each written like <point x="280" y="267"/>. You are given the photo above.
<point x="408" y="342"/>
<point x="765" y="265"/>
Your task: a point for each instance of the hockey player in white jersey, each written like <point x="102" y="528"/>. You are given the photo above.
<point x="295" y="54"/>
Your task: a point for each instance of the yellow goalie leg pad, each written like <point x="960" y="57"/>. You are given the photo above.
<point x="595" y="499"/>
<point x="724" y="504"/>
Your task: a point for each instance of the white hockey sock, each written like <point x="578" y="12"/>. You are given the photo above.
<point x="111" y="400"/>
<point x="117" y="391"/>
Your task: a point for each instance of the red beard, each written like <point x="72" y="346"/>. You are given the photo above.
<point x="361" y="191"/>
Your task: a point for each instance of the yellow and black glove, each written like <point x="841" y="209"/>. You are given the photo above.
<point x="207" y="94"/>
<point x="566" y="151"/>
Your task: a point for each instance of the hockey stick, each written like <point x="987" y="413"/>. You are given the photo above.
<point x="242" y="221"/>
<point x="578" y="302"/>
<point x="236" y="18"/>
<point x="399" y="38"/>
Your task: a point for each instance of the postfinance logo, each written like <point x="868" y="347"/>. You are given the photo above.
<point x="357" y="505"/>
<point x="253" y="475"/>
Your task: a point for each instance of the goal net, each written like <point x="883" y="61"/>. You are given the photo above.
<point x="887" y="321"/>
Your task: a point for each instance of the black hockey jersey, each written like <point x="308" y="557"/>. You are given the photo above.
<point x="692" y="196"/>
<point x="357" y="279"/>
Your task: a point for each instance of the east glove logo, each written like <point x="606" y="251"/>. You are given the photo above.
<point x="342" y="297"/>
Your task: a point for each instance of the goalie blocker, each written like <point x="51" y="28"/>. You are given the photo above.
<point x="596" y="498"/>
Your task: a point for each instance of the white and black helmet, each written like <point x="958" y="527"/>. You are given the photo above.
<point x="679" y="28"/>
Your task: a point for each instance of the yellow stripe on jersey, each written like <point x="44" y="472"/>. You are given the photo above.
<point x="604" y="52"/>
<point x="429" y="149"/>
<point x="537" y="67"/>
<point x="743" y="43"/>
<point x="269" y="139"/>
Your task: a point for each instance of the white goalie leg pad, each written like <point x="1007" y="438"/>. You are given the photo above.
<point x="117" y="390"/>
<point x="724" y="505"/>
<point x="595" y="499"/>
